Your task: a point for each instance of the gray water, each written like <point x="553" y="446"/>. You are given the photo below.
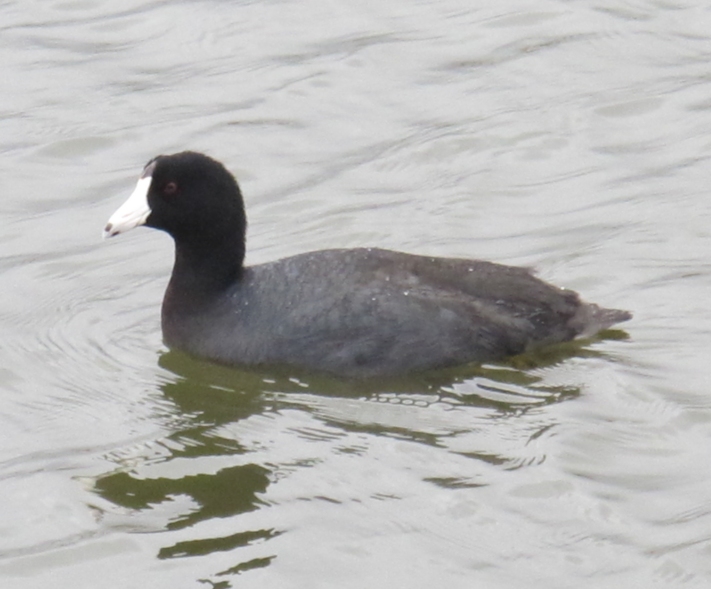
<point x="569" y="136"/>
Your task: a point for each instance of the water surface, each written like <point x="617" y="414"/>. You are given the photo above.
<point x="573" y="137"/>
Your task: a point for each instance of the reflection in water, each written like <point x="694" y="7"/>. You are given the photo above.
<point x="212" y="400"/>
<point x="230" y="491"/>
<point x="570" y="136"/>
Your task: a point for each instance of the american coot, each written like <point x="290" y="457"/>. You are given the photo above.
<point x="351" y="312"/>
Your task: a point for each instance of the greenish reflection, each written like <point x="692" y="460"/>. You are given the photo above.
<point x="228" y="492"/>
<point x="210" y="545"/>
<point x="512" y="378"/>
<point x="203" y="397"/>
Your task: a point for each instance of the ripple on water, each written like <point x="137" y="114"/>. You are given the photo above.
<point x="567" y="136"/>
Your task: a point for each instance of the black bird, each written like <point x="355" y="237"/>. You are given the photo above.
<point x="350" y="312"/>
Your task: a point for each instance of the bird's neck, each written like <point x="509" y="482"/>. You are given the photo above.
<point x="205" y="269"/>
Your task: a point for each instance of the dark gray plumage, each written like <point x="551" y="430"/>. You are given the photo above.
<point x="356" y="312"/>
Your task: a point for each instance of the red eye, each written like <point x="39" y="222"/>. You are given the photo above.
<point x="170" y="188"/>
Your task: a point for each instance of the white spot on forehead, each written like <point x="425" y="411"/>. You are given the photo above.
<point x="148" y="170"/>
